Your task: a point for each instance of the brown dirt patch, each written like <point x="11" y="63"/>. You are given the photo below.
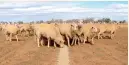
<point x="104" y="52"/>
<point x="26" y="52"/>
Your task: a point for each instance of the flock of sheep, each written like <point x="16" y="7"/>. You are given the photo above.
<point x="60" y="33"/>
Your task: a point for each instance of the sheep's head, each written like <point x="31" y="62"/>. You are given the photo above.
<point x="74" y="26"/>
<point x="60" y="41"/>
<point x="94" y="29"/>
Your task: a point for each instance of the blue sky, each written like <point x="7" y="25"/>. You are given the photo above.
<point x="32" y="11"/>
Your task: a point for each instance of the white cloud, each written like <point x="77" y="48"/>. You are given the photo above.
<point x="118" y="6"/>
<point x="68" y="9"/>
<point x="31" y="8"/>
<point x="10" y="14"/>
<point x="122" y="14"/>
<point x="17" y="5"/>
<point x="109" y="8"/>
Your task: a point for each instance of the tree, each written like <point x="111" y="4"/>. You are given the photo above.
<point x="32" y="22"/>
<point x="20" y="22"/>
<point x="41" y="21"/>
<point x="124" y="21"/>
<point x="114" y="21"/>
<point x="87" y="20"/>
<point x="106" y="20"/>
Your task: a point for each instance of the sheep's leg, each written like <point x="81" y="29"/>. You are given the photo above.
<point x="38" y="42"/>
<point x="84" y="40"/>
<point x="73" y="41"/>
<point x="16" y="37"/>
<point x="48" y="42"/>
<point x="98" y="35"/>
<point x="92" y="40"/>
<point x="78" y="41"/>
<point x="42" y="42"/>
<point x="10" y="37"/>
<point x="112" y="35"/>
<point x="81" y="40"/>
<point x="101" y="36"/>
<point x="68" y="40"/>
<point x="54" y="44"/>
<point x="21" y="32"/>
<point x="35" y="36"/>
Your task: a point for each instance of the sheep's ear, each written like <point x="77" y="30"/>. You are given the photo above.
<point x="71" y="25"/>
<point x="92" y="27"/>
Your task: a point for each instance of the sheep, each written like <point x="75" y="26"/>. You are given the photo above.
<point x="25" y="28"/>
<point x="3" y="27"/>
<point x="11" y="30"/>
<point x="111" y="28"/>
<point x="66" y="30"/>
<point x="87" y="31"/>
<point x="50" y="32"/>
<point x="101" y="28"/>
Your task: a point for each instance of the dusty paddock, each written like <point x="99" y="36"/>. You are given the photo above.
<point x="26" y="52"/>
<point x="104" y="52"/>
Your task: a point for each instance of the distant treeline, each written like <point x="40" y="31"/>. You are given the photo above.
<point x="86" y="20"/>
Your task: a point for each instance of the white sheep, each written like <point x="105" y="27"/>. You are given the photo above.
<point x="50" y="32"/>
<point x="11" y="30"/>
<point x="66" y="30"/>
<point x="87" y="31"/>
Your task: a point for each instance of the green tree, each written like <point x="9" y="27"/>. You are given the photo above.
<point x="20" y="22"/>
<point x="106" y="20"/>
<point x="124" y="21"/>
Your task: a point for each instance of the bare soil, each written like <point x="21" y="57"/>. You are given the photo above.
<point x="26" y="52"/>
<point x="103" y="52"/>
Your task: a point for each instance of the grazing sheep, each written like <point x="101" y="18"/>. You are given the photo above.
<point x="111" y="28"/>
<point x="50" y="32"/>
<point x="11" y="30"/>
<point x="87" y="31"/>
<point x="106" y="28"/>
<point x="66" y="30"/>
<point x="3" y="27"/>
<point x="102" y="29"/>
<point x="25" y="28"/>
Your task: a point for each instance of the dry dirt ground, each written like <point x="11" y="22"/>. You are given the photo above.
<point x="26" y="52"/>
<point x="104" y="52"/>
